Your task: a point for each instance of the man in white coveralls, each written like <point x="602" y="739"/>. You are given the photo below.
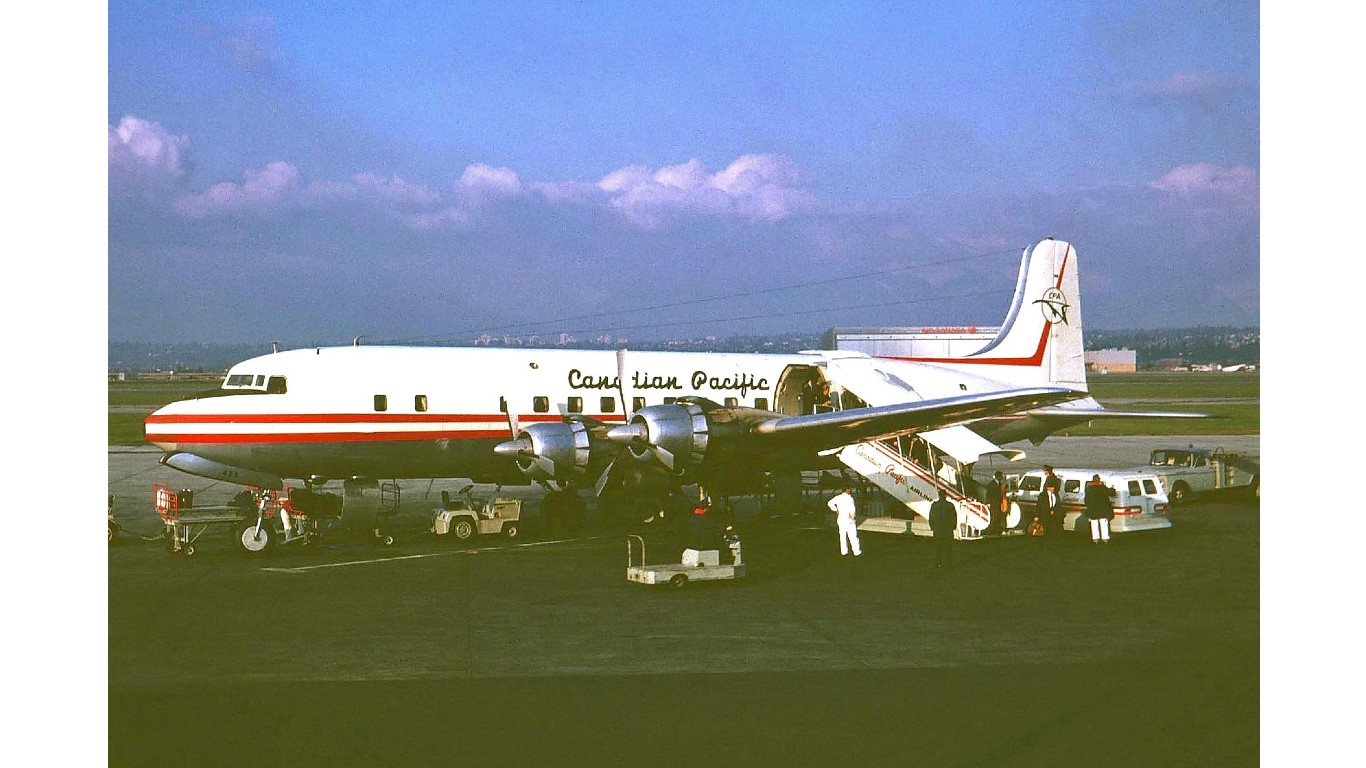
<point x="842" y="505"/>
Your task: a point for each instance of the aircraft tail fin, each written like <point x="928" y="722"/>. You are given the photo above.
<point x="1040" y="342"/>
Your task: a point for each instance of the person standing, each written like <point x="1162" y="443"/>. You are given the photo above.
<point x="943" y="519"/>
<point x="1099" y="509"/>
<point x="999" y="500"/>
<point x="842" y="504"/>
<point x="1048" y="511"/>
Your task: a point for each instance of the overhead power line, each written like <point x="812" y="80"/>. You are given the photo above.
<point x="469" y="333"/>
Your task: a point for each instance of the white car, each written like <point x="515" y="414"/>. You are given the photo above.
<point x="1139" y="502"/>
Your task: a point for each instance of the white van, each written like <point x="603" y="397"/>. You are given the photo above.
<point x="1140" y="502"/>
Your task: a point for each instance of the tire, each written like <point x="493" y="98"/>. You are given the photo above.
<point x="254" y="541"/>
<point x="462" y="529"/>
<point x="1181" y="494"/>
<point x="678" y="581"/>
<point x="511" y="530"/>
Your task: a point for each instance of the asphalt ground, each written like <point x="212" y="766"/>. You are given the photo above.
<point x="538" y="651"/>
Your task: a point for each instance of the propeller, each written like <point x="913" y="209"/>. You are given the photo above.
<point x="601" y="482"/>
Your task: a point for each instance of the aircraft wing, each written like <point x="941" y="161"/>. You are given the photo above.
<point x="1038" y="424"/>
<point x="839" y="428"/>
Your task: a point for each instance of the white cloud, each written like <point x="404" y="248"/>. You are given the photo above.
<point x="148" y="161"/>
<point x="396" y="190"/>
<point x="483" y="182"/>
<point x="262" y="191"/>
<point x="1238" y="184"/>
<point x="144" y="158"/>
<point x="754" y="187"/>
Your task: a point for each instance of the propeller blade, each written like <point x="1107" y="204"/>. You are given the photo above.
<point x="512" y="417"/>
<point x="621" y="382"/>
<point x="602" y="478"/>
<point x="665" y="456"/>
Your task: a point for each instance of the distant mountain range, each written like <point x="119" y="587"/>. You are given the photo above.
<point x="1224" y="345"/>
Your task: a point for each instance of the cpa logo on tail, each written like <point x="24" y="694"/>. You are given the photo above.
<point x="1054" y="306"/>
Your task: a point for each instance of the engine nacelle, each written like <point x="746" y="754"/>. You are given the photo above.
<point x="675" y="435"/>
<point x="555" y="451"/>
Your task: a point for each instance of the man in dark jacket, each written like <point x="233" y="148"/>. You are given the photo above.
<point x="943" y="519"/>
<point x="999" y="502"/>
<point x="1099" y="509"/>
<point x="1048" y="509"/>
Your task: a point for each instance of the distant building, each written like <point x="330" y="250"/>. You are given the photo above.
<point x="1112" y="361"/>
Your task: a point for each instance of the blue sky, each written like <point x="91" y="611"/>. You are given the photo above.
<point x="315" y="171"/>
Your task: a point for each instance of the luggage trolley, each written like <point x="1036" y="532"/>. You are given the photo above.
<point x="185" y="523"/>
<point x="697" y="565"/>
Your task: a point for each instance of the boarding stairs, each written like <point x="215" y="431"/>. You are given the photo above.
<point x="912" y="469"/>
<point x="916" y="487"/>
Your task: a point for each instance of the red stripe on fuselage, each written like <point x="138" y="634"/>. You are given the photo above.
<point x="357" y="418"/>
<point x="326" y="437"/>
<point x="1033" y="360"/>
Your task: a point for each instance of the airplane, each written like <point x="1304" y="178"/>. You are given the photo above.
<point x="628" y="422"/>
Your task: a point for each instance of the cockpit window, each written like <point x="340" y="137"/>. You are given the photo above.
<point x="276" y="385"/>
<point x="238" y="380"/>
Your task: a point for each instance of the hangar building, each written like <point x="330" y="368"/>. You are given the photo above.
<point x="1111" y="361"/>
<point x="926" y="341"/>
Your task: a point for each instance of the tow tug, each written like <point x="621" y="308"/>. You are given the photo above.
<point x="463" y="519"/>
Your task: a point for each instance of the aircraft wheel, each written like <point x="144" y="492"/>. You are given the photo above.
<point x="511" y="530"/>
<point x="678" y="580"/>
<point x="255" y="540"/>
<point x="463" y="529"/>
<point x="387" y="541"/>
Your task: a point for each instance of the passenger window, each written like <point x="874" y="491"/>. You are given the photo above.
<point x="1133" y="488"/>
<point x="732" y="401"/>
<point x="1149" y="486"/>
<point x="1071" y="486"/>
<point x="540" y="404"/>
<point x="1031" y="483"/>
<point x="420" y="403"/>
<point x="637" y="403"/>
<point x="276" y="385"/>
<point x="381" y="402"/>
<point x="761" y="403"/>
<point x="576" y="404"/>
<point x="607" y="404"/>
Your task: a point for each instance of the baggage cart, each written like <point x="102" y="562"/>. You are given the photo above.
<point x="702" y="566"/>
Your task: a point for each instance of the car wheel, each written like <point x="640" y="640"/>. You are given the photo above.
<point x="463" y="529"/>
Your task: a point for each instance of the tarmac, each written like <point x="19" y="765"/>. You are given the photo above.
<point x="537" y="650"/>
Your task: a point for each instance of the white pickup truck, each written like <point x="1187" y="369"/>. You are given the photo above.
<point x="1190" y="470"/>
